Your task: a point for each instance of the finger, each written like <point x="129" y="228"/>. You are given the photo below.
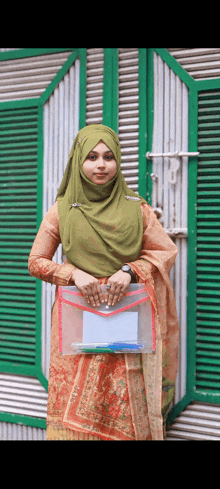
<point x="89" y="294"/>
<point x="87" y="299"/>
<point x="96" y="294"/>
<point x="121" y="297"/>
<point x="114" y="294"/>
<point x="97" y="300"/>
<point x="86" y="296"/>
<point x="118" y="297"/>
<point x="120" y="293"/>
<point x="100" y="294"/>
<point x="108" y="291"/>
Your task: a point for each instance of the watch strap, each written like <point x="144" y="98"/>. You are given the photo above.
<point x="129" y="271"/>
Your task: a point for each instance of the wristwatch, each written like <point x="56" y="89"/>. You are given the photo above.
<point x="127" y="269"/>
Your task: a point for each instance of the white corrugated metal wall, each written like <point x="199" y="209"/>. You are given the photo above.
<point x="200" y="63"/>
<point x="61" y="125"/>
<point x="128" y="114"/>
<point x="25" y="78"/>
<point x="171" y="135"/>
<point x="19" y="80"/>
<point x="94" y="88"/>
<point x="12" y="432"/>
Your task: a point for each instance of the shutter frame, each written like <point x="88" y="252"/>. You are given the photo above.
<point x="20" y="210"/>
<point x="208" y="249"/>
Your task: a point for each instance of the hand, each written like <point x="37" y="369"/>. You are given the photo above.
<point x="119" y="285"/>
<point x="89" y="287"/>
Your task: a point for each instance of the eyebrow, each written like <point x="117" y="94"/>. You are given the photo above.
<point x="106" y="152"/>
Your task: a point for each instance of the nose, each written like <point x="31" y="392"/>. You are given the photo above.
<point x="101" y="165"/>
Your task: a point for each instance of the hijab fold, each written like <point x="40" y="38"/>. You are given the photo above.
<point x="105" y="229"/>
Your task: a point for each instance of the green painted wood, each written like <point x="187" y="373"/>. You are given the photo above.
<point x="208" y="250"/>
<point x="19" y="138"/>
<point x="144" y="123"/>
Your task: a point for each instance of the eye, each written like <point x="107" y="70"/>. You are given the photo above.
<point x="92" y="157"/>
<point x="110" y="157"/>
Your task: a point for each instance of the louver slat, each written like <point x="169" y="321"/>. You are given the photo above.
<point x="200" y="63"/>
<point x="128" y="114"/>
<point x="94" y="92"/>
<point x="208" y="254"/>
<point x="29" y="77"/>
<point x="18" y="198"/>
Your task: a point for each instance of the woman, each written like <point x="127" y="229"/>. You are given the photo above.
<point x="110" y="236"/>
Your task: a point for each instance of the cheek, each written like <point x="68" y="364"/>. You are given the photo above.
<point x="87" y="168"/>
<point x="114" y="169"/>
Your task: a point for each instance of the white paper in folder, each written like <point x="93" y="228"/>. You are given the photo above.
<point x="122" y="327"/>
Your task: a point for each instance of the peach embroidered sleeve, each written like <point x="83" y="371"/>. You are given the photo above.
<point x="40" y="264"/>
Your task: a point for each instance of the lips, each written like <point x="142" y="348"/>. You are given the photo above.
<point x="101" y="174"/>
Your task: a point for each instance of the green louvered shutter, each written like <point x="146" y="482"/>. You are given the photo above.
<point x="208" y="251"/>
<point x="18" y="227"/>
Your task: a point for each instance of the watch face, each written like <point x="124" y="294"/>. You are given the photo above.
<point x="126" y="268"/>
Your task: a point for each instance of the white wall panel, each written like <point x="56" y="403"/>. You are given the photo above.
<point x="94" y="89"/>
<point x="25" y="78"/>
<point x="61" y="125"/>
<point x="13" y="432"/>
<point x="171" y="135"/>
<point x="23" y="396"/>
<point x="128" y="114"/>
<point x="200" y="63"/>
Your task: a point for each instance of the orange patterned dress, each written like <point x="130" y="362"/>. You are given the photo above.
<point x="113" y="397"/>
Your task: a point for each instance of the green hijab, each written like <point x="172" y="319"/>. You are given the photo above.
<point x="105" y="229"/>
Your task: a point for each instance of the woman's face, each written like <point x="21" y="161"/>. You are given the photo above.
<point x="100" y="166"/>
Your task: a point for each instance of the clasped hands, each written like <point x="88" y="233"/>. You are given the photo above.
<point x="92" y="291"/>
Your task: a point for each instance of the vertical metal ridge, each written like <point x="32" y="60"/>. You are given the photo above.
<point x="12" y="432"/>
<point x="61" y="125"/>
<point x="128" y="115"/>
<point x="170" y="135"/>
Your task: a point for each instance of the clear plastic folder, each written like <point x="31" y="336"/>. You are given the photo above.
<point x="128" y="327"/>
